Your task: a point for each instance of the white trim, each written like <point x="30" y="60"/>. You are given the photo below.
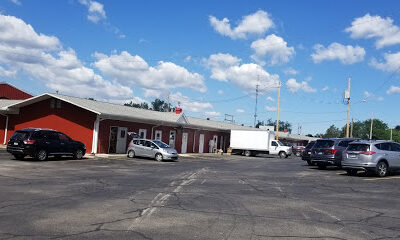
<point x="155" y="134"/>
<point x="95" y="134"/>
<point x="5" y="130"/>
<point x="144" y="131"/>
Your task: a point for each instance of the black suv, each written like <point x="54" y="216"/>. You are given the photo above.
<point x="41" y="143"/>
<point x="306" y="154"/>
<point x="328" y="151"/>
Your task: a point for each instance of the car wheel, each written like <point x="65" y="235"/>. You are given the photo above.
<point x="351" y="172"/>
<point x="78" y="154"/>
<point x="310" y="163"/>
<point x="41" y="155"/>
<point x="159" y="157"/>
<point x="321" y="166"/>
<point x="381" y="169"/>
<point x="247" y="153"/>
<point x="282" y="155"/>
<point x="131" y="154"/>
<point x="19" y="156"/>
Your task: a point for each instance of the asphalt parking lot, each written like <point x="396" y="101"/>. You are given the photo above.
<point x="197" y="197"/>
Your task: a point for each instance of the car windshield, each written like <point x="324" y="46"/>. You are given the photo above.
<point x="324" y="144"/>
<point x="310" y="145"/>
<point x="20" y="135"/>
<point x="280" y="143"/>
<point x="161" y="144"/>
<point x="358" y="147"/>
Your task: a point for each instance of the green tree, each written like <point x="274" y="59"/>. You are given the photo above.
<point x="159" y="105"/>
<point x="143" y="105"/>
<point x="332" y="132"/>
<point x="283" y="125"/>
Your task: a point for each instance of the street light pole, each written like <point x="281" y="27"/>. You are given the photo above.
<point x="348" y="109"/>
<point x="277" y="113"/>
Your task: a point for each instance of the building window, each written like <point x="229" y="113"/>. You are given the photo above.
<point x="52" y="103"/>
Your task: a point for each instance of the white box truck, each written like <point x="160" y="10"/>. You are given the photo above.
<point x="253" y="142"/>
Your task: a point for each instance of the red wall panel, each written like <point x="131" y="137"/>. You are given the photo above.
<point x="2" y="128"/>
<point x="9" y="92"/>
<point x="69" y="119"/>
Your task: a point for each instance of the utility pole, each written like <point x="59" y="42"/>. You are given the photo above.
<point x="277" y="113"/>
<point x="372" y="123"/>
<point x="255" y="112"/>
<point x="391" y="134"/>
<point x="351" y="129"/>
<point x="347" y="96"/>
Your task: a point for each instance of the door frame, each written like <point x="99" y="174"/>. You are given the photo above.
<point x="201" y="143"/>
<point x="186" y="143"/>
<point x="118" y="135"/>
<point x="109" y="139"/>
<point x="169" y="138"/>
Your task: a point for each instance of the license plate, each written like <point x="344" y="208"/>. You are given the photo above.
<point x="15" y="143"/>
<point x="309" y="152"/>
<point x="352" y="156"/>
<point x="319" y="153"/>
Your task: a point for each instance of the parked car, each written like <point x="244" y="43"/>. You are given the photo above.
<point x="298" y="150"/>
<point x="41" y="143"/>
<point x="151" y="148"/>
<point x="306" y="154"/>
<point x="328" y="152"/>
<point x="378" y="156"/>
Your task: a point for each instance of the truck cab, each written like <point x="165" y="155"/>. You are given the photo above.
<point x="278" y="148"/>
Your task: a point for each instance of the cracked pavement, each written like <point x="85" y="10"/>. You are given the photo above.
<point x="209" y="197"/>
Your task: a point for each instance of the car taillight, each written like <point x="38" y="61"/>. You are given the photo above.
<point x="368" y="153"/>
<point x="331" y="151"/>
<point x="29" y="141"/>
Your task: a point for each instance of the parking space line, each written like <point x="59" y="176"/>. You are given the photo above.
<point x="384" y="178"/>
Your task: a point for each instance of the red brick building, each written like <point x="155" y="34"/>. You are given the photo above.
<point x="107" y="128"/>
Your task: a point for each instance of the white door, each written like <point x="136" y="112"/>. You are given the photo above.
<point x="158" y="135"/>
<point x="201" y="143"/>
<point x="215" y="138"/>
<point x="172" y="139"/>
<point x="184" y="142"/>
<point x="143" y="133"/>
<point x="274" y="148"/>
<point x="121" y="140"/>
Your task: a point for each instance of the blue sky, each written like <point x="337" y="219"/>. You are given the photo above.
<point x="208" y="56"/>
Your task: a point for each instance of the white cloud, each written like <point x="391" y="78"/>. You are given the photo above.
<point x="239" y="110"/>
<point x="336" y="51"/>
<point x="368" y="94"/>
<point x="256" y="23"/>
<point x="391" y="63"/>
<point x="326" y="88"/>
<point x="290" y="71"/>
<point x="188" y="58"/>
<point x="95" y="10"/>
<point x="16" y="34"/>
<point x="225" y="67"/>
<point x="270" y="109"/>
<point x="393" y="90"/>
<point x="382" y="29"/>
<point x="272" y="47"/>
<point x="212" y="114"/>
<point x="17" y="2"/>
<point x="42" y="57"/>
<point x="295" y="86"/>
<point x="271" y="99"/>
<point x="220" y="92"/>
<point x="380" y="99"/>
<point x="189" y="105"/>
<point x="134" y="71"/>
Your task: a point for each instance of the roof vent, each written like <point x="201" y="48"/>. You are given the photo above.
<point x="178" y="110"/>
